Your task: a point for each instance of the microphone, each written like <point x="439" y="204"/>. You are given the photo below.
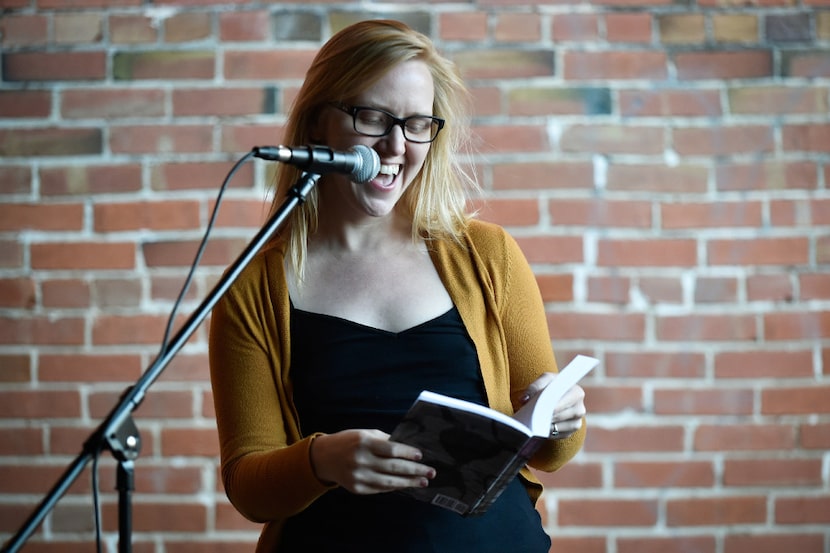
<point x="361" y="162"/>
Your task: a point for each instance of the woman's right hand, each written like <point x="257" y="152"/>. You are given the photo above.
<point x="366" y="462"/>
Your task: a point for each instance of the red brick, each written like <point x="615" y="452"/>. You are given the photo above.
<point x="161" y="517"/>
<point x="160" y="404"/>
<point x="89" y="368"/>
<point x="608" y="289"/>
<point x="555" y="287"/>
<point x="66" y="294"/>
<point x="663" y="474"/>
<point x="769" y="288"/>
<point x="597" y="326"/>
<point x="219" y="102"/>
<point x="665" y="103"/>
<point x="548" y="100"/>
<point x="815" y="436"/>
<point x="654" y="365"/>
<point x="773" y="543"/>
<point x="517" y="27"/>
<point x="802" y="510"/>
<point x="797" y="326"/>
<point x="704" y="401"/>
<point x="11" y="254"/>
<point x="111" y="103"/>
<point x="143" y="139"/>
<point x="202" y="442"/>
<point x="24" y="30"/>
<point x="242" y="213"/>
<point x="683" y="179"/>
<point x="810" y="64"/>
<point x="615" y="65"/>
<point x="132" y="29"/>
<point x="552" y="249"/>
<point x="90" y="179"/>
<point x="600" y="213"/>
<point x="744" y="437"/>
<point x="17" y="293"/>
<point x="716" y="141"/>
<point x="78" y="28"/>
<point x="612" y="139"/>
<point x="771" y="175"/>
<point x="25" y="103"/>
<point x="54" y="66"/>
<point x="247" y="26"/>
<point x="574" y="475"/>
<point x="711" y="215"/>
<point x="806" y="138"/>
<point x="716" y="290"/>
<point x="792" y="400"/>
<point x="614" y="399"/>
<point x="510" y="212"/>
<point x="697" y="327"/>
<point x="628" y="27"/>
<point x="83" y="255"/>
<point x="119" y="292"/>
<point x="15" y="368"/>
<point x="486" y="100"/>
<point x="684" y="28"/>
<point x="661" y="290"/>
<point x="267" y="65"/>
<point x="483" y="63"/>
<point x="819" y="211"/>
<point x="579" y="544"/>
<point x="511" y="138"/>
<point x="759" y="251"/>
<point x="219" y="252"/>
<point x="583" y="27"/>
<point x="744" y="64"/>
<point x="646" y="253"/>
<point x="42" y="142"/>
<point x="198" y="175"/>
<point x="543" y="175"/>
<point x="772" y="472"/>
<point x="463" y="26"/>
<point x="41" y="331"/>
<point x="716" y="511"/>
<point x="38" y="404"/>
<point x="188" y="27"/>
<point x="772" y="100"/>
<point x="15" y="179"/>
<point x="44" y="217"/>
<point x="764" y="364"/>
<point x="167" y="215"/>
<point x="241" y="138"/>
<point x="607" y="512"/>
<point x="674" y="544"/>
<point x="634" y="439"/>
<point x="21" y="441"/>
<point x="163" y="64"/>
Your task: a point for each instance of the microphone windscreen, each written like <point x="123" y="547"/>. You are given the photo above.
<point x="370" y="167"/>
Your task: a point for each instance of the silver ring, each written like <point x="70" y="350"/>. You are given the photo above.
<point x="555" y="432"/>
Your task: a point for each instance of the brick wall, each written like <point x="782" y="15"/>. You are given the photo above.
<point x="664" y="164"/>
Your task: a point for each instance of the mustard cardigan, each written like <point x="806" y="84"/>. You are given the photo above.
<point x="266" y="468"/>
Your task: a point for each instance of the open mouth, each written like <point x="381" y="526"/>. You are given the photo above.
<point x="387" y="175"/>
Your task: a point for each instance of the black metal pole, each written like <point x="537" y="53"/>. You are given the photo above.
<point x="119" y="418"/>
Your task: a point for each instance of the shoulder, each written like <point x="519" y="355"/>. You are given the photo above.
<point x="491" y="241"/>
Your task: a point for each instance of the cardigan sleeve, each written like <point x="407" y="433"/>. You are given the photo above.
<point x="266" y="468"/>
<point x="526" y="335"/>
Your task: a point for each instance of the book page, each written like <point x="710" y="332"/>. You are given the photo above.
<point x="537" y="413"/>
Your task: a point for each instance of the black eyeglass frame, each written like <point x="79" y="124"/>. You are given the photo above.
<point x="393" y="121"/>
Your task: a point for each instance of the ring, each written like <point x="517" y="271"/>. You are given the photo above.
<point x="555" y="432"/>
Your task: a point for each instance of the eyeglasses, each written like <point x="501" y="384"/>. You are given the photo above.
<point x="420" y="129"/>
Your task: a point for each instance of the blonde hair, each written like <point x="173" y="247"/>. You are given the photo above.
<point x="349" y="63"/>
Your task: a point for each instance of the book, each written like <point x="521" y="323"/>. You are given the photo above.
<point x="476" y="451"/>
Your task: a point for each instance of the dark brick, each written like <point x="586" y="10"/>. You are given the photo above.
<point x="788" y="27"/>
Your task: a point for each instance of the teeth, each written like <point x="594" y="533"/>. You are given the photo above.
<point x="390" y="169"/>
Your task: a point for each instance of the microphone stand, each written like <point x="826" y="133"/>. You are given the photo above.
<point x="118" y="432"/>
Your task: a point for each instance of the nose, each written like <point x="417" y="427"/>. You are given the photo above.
<point x="394" y="142"/>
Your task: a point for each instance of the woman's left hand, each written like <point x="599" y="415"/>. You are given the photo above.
<point x="569" y="412"/>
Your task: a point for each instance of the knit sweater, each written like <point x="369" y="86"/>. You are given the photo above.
<point x="266" y="468"/>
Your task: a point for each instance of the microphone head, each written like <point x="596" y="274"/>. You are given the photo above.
<point x="370" y="166"/>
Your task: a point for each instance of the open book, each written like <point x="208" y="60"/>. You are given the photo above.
<point x="475" y="450"/>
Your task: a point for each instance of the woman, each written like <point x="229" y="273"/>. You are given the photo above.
<point x="372" y="293"/>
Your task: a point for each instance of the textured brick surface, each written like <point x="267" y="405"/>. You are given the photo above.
<point x="665" y="166"/>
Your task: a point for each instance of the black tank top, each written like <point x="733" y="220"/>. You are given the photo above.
<point x="347" y="375"/>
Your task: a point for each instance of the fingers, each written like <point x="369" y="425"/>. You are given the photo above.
<point x="537" y="386"/>
<point x="569" y="413"/>
<point x="365" y="461"/>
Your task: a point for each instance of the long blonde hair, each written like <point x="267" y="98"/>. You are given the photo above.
<point x="349" y="63"/>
